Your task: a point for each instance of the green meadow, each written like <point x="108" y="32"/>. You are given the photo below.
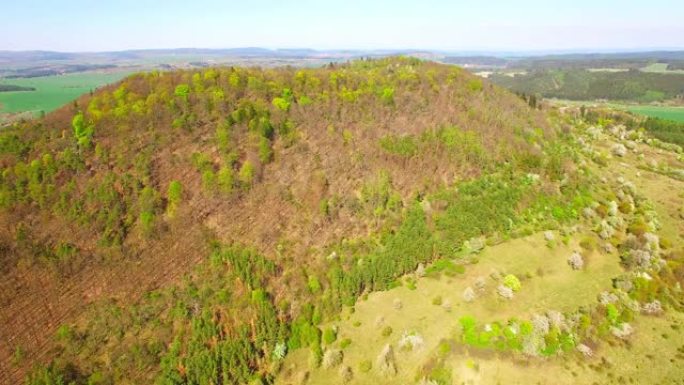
<point x="663" y="112"/>
<point x="52" y="92"/>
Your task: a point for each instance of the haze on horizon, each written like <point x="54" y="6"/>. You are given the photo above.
<point x="498" y="25"/>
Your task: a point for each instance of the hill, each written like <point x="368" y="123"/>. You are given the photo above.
<point x="248" y="225"/>
<point x="126" y="190"/>
<point x="580" y="84"/>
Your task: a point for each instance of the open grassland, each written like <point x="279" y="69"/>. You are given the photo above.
<point x="430" y="307"/>
<point x="656" y="111"/>
<point x="52" y="91"/>
<point x="660" y="68"/>
<point x="663" y="112"/>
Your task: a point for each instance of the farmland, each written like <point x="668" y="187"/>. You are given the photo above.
<point x="663" y="112"/>
<point x="52" y="91"/>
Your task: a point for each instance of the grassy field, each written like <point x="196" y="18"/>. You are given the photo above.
<point x="660" y="68"/>
<point x="663" y="112"/>
<point x="52" y="91"/>
<point x="546" y="280"/>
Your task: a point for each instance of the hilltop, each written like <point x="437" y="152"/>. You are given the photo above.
<point x="225" y="225"/>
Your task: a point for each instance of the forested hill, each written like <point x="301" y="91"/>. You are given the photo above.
<point x="279" y="194"/>
<point x="581" y="84"/>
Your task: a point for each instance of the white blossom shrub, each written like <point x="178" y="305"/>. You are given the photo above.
<point x="410" y="341"/>
<point x="505" y="291"/>
<point x="346" y="374"/>
<point x="619" y="150"/>
<point x="540" y="324"/>
<point x="612" y="208"/>
<point x="622" y="331"/>
<point x="653" y="307"/>
<point x="548" y="236"/>
<point x="279" y="351"/>
<point x="397" y="304"/>
<point x="469" y="294"/>
<point x="606" y="231"/>
<point x="385" y="362"/>
<point x="576" y="261"/>
<point x="556" y="318"/>
<point x="332" y="358"/>
<point x="607" y="297"/>
<point x="446" y="305"/>
<point x="420" y="270"/>
<point x="652" y="242"/>
<point x="585" y="350"/>
<point x="480" y="283"/>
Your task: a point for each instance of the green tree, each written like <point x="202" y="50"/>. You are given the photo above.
<point x="246" y="174"/>
<point x="265" y="151"/>
<point x="82" y="131"/>
<point x="174" y="196"/>
<point x="225" y="179"/>
<point x="182" y="91"/>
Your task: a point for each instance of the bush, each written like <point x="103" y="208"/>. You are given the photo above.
<point x="246" y="174"/>
<point x="512" y="282"/>
<point x="386" y="331"/>
<point x="174" y="196"/>
<point x="329" y="336"/>
<point x="365" y="366"/>
<point x="345" y="342"/>
<point x="225" y="179"/>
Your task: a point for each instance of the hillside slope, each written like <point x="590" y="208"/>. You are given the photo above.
<point x="268" y="171"/>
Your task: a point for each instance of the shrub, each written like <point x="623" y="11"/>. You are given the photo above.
<point x="386" y="331"/>
<point x="475" y="85"/>
<point x="469" y="294"/>
<point x="246" y="174"/>
<point x="437" y="301"/>
<point x="576" y="261"/>
<point x="174" y="196"/>
<point x="182" y="91"/>
<point x="505" y="291"/>
<point x="329" y="336"/>
<point x="385" y="362"/>
<point x="225" y="179"/>
<point x="365" y="366"/>
<point x="265" y="151"/>
<point x="314" y="284"/>
<point x="345" y="342"/>
<point x="512" y="282"/>
<point x="332" y="358"/>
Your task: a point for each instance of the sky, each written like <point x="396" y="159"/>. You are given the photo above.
<point x="493" y="25"/>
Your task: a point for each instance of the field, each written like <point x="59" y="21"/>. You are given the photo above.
<point x="663" y="112"/>
<point x="52" y="91"/>
<point x="660" y="68"/>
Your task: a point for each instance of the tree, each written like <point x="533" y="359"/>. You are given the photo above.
<point x="225" y="179"/>
<point x="174" y="196"/>
<point x="265" y="151"/>
<point x="246" y="174"/>
<point x="82" y="132"/>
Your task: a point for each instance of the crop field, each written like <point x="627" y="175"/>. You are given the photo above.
<point x="663" y="112"/>
<point x="655" y="111"/>
<point x="52" y="91"/>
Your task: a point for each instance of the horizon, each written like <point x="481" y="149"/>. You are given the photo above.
<point x="527" y="26"/>
<point x="468" y="52"/>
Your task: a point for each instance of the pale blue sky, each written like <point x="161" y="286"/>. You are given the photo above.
<point x="523" y="25"/>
